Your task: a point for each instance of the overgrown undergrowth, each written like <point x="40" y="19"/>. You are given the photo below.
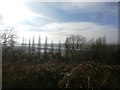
<point x="61" y="75"/>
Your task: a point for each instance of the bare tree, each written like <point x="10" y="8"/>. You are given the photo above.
<point x="74" y="44"/>
<point x="59" y="50"/>
<point x="8" y="37"/>
<point x="45" y="51"/>
<point x="46" y="46"/>
<point x="59" y="47"/>
<point x="25" y="45"/>
<point x="33" y="46"/>
<point x="66" y="47"/>
<point x="22" y="44"/>
<point x="52" y="48"/>
<point x="29" y="45"/>
<point x="39" y="48"/>
<point x="77" y="42"/>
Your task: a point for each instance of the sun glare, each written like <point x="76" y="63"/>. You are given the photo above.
<point x="13" y="11"/>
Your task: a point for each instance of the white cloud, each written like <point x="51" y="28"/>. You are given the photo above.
<point x="87" y="29"/>
<point x="58" y="31"/>
<point x="81" y="6"/>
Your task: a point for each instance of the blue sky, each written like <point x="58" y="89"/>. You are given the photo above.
<point x="102" y="12"/>
<point x="60" y="19"/>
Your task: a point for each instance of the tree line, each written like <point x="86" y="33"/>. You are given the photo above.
<point x="76" y="49"/>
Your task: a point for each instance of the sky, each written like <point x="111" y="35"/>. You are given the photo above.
<point x="56" y="20"/>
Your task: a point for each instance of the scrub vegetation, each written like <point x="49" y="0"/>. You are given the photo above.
<point x="79" y="64"/>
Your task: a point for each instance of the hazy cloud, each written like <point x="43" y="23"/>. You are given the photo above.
<point x="88" y="29"/>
